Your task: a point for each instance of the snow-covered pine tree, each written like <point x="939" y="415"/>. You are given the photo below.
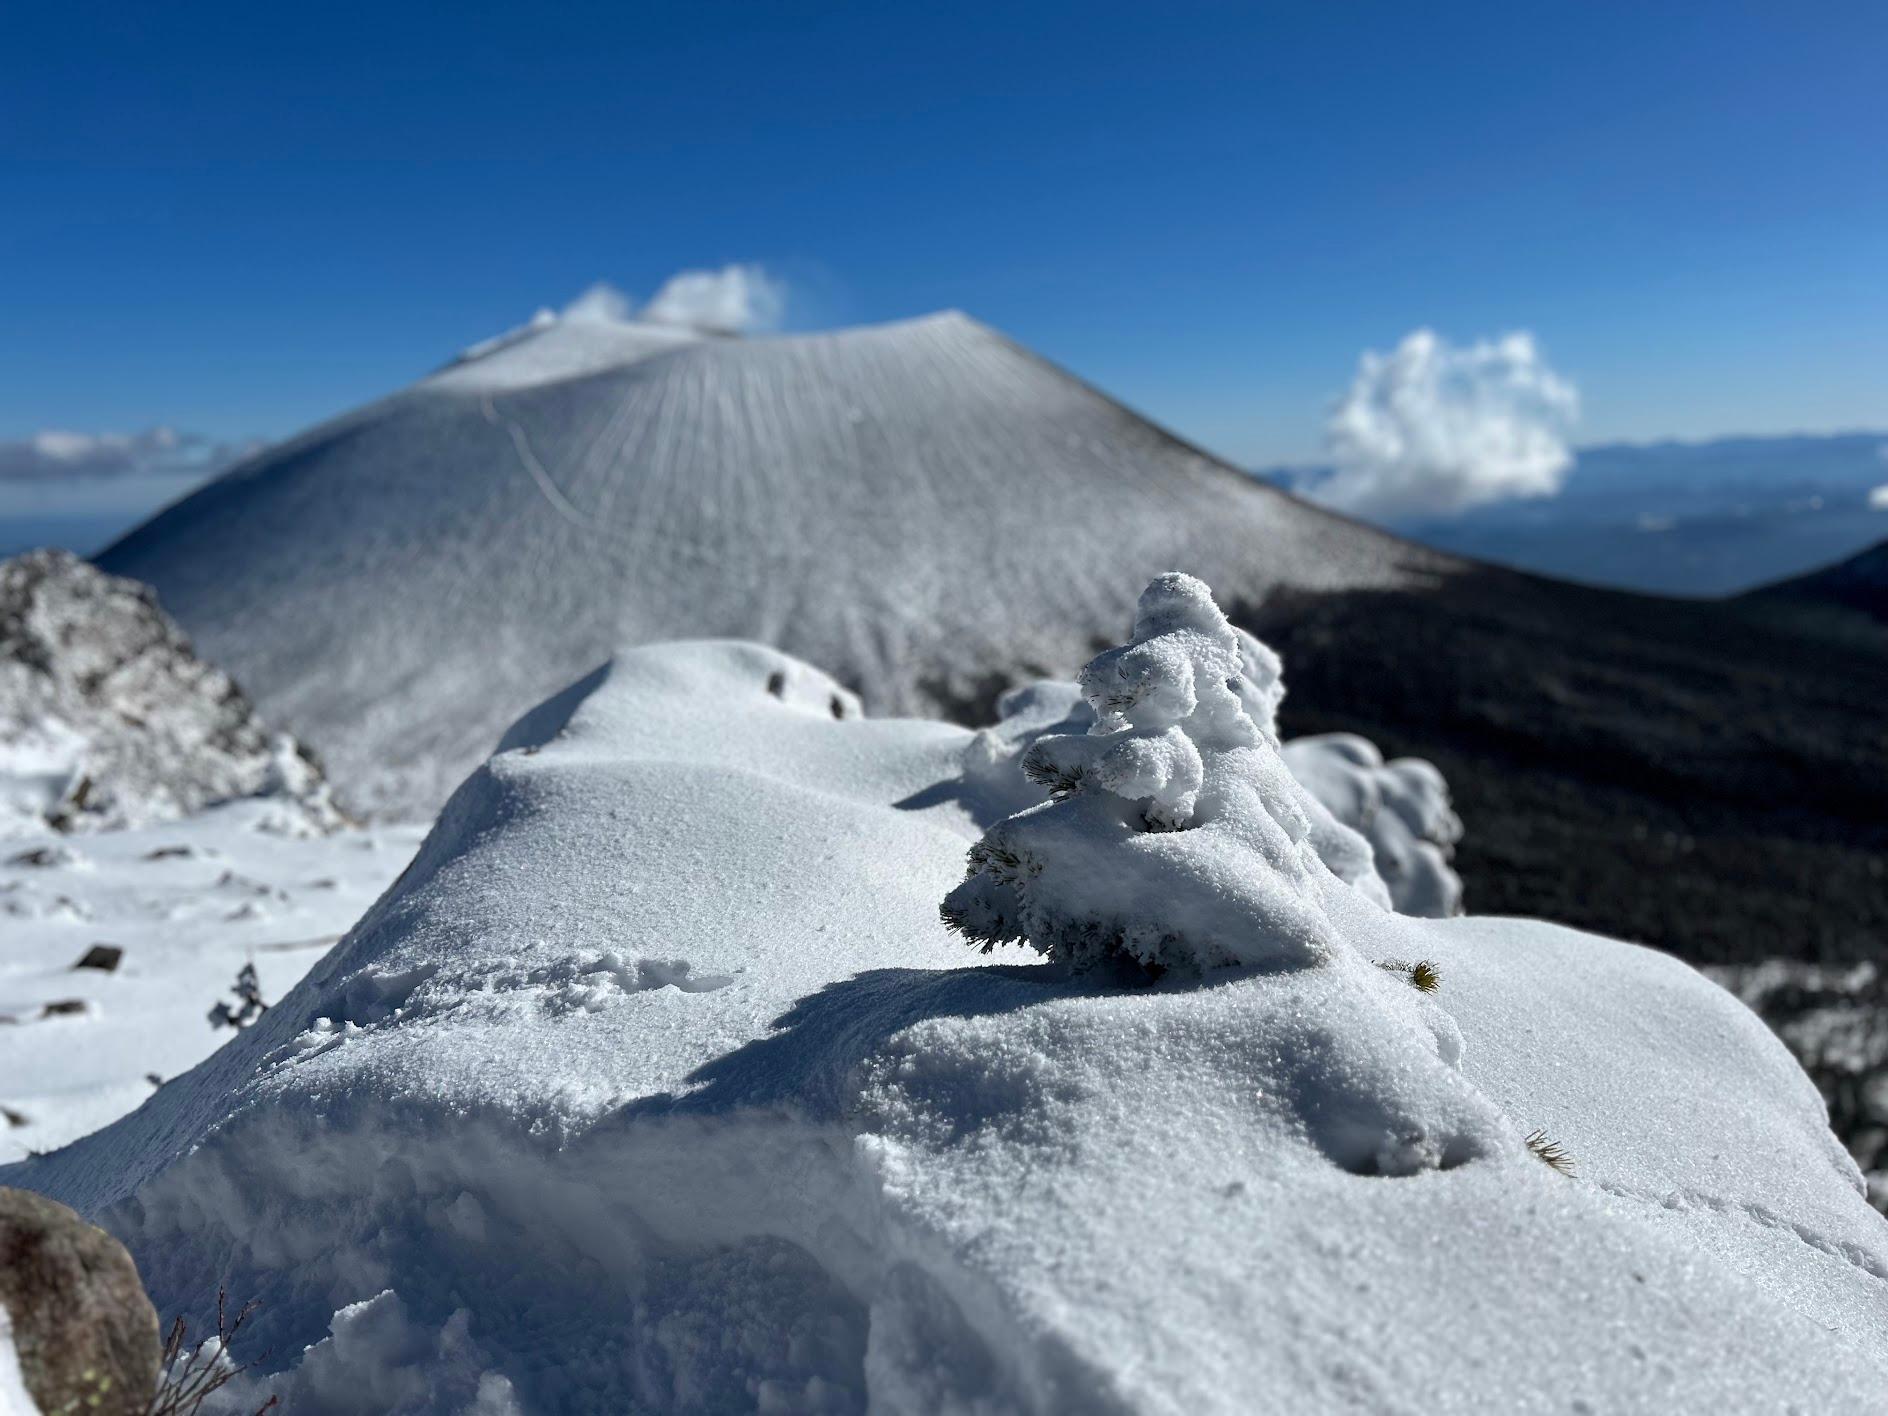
<point x="1174" y="835"/>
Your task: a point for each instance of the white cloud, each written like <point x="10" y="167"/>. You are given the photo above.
<point x="737" y="299"/>
<point x="1878" y="499"/>
<point x="1430" y="429"/>
<point x="602" y="303"/>
<point x="732" y="300"/>
<point x="56" y="454"/>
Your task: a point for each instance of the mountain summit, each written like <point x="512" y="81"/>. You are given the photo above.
<point x="398" y="584"/>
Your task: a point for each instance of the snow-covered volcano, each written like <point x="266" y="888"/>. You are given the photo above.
<point x="925" y="510"/>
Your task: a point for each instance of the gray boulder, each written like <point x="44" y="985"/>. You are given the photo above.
<point x="84" y="1330"/>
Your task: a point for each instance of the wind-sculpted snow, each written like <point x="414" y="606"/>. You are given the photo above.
<point x="107" y="718"/>
<point x="925" y="510"/>
<point x="656" y="1084"/>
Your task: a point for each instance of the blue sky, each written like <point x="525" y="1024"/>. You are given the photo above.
<point x="239" y="219"/>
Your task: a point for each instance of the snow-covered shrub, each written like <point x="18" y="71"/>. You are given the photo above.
<point x="250" y="1003"/>
<point x="1174" y="835"/>
<point x="1386" y="829"/>
<point x="1401" y="807"/>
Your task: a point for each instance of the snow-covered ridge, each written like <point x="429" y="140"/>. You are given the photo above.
<point x="546" y="351"/>
<point x="107" y="717"/>
<point x="924" y="509"/>
<point x="657" y="1083"/>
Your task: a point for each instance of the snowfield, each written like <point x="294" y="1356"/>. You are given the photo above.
<point x="188" y="903"/>
<point x="658" y="1083"/>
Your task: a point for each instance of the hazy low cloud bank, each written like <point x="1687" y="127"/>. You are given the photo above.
<point x="1432" y="429"/>
<point x="737" y="299"/>
<point x="57" y="455"/>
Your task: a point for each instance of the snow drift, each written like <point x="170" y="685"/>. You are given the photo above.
<point x="925" y="510"/>
<point x="107" y="718"/>
<point x="657" y="1084"/>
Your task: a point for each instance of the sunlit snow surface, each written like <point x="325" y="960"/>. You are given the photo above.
<point x="657" y="1084"/>
<point x="15" y="1399"/>
<point x="189" y="902"/>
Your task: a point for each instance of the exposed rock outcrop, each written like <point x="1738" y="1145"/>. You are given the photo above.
<point x="108" y="718"/>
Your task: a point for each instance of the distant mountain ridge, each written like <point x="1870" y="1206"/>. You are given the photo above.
<point x="1713" y="517"/>
<point x="1859" y="583"/>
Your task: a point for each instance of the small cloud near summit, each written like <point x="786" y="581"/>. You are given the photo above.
<point x="602" y="303"/>
<point x="1433" y="429"/>
<point x="737" y="299"/>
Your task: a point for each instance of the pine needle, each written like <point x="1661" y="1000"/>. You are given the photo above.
<point x="1059" y="784"/>
<point x="1424" y="976"/>
<point x="1550" y="1152"/>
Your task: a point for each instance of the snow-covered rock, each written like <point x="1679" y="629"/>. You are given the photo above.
<point x="107" y="718"/>
<point x="917" y="508"/>
<point x="657" y="1084"/>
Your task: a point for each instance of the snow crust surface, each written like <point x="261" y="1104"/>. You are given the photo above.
<point x="913" y="507"/>
<point x="656" y="1084"/>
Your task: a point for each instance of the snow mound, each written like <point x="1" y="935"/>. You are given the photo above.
<point x="108" y="719"/>
<point x="656" y="1084"/>
<point x="548" y="349"/>
<point x="398" y="585"/>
